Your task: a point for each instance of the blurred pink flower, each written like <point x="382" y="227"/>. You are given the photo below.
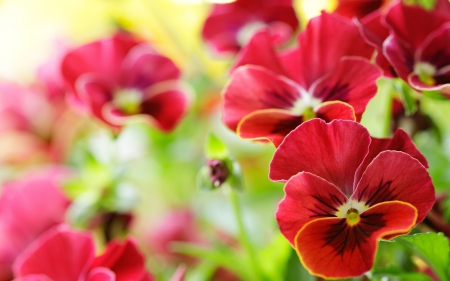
<point x="28" y="208"/>
<point x="120" y="77"/>
<point x="229" y="26"/>
<point x="62" y="254"/>
<point x="175" y="226"/>
<point x="29" y="125"/>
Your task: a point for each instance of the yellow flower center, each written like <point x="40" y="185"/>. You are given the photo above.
<point x="352" y="217"/>
<point x="426" y="72"/>
<point x="350" y="211"/>
<point x="128" y="100"/>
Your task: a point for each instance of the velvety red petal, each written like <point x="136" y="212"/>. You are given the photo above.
<point x="290" y="61"/>
<point x="403" y="18"/>
<point x="353" y="81"/>
<point x="332" y="151"/>
<point x="401" y="141"/>
<point x="60" y="254"/>
<point x="395" y="175"/>
<point x="143" y="67"/>
<point x="259" y="51"/>
<point x="221" y="27"/>
<point x="103" y="56"/>
<point x="332" y="110"/>
<point x="271" y="124"/>
<point x="331" y="248"/>
<point x="101" y="274"/>
<point x="352" y="8"/>
<point x="34" y="277"/>
<point x="253" y="88"/>
<point x="324" y="42"/>
<point x="124" y="259"/>
<point x="163" y="107"/>
<point x="20" y="224"/>
<point x="434" y="49"/>
<point x="308" y="197"/>
<point x="399" y="56"/>
<point x="375" y="32"/>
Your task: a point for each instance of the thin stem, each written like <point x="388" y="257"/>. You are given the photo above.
<point x="243" y="237"/>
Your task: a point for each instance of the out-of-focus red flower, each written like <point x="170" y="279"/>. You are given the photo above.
<point x="120" y="78"/>
<point x="175" y="226"/>
<point x="28" y="208"/>
<point x="229" y="26"/>
<point x="62" y="254"/>
<point x="421" y="58"/>
<point x="327" y="76"/>
<point x="346" y="190"/>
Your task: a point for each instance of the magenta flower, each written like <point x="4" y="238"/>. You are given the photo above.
<point x="229" y="26"/>
<point x="28" y="208"/>
<point x="421" y="58"/>
<point x="62" y="254"/>
<point x="346" y="190"/>
<point x="327" y="76"/>
<point x="121" y="78"/>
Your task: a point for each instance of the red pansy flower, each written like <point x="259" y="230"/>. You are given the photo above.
<point x="28" y="208"/>
<point x="328" y="76"/>
<point x="359" y="9"/>
<point x="229" y="26"/>
<point x="346" y="190"/>
<point x="65" y="255"/>
<point x="421" y="58"/>
<point x="120" y="77"/>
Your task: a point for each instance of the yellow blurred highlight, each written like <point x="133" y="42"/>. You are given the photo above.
<point x="312" y="8"/>
<point x="195" y="2"/>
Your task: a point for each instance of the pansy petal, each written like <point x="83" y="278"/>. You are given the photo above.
<point x="353" y="81"/>
<point x="259" y="51"/>
<point x="143" y="67"/>
<point x="94" y="91"/>
<point x="375" y="32"/>
<point x="101" y="274"/>
<point x="402" y="18"/>
<point x="103" y="56"/>
<point x="222" y="26"/>
<point x="317" y="57"/>
<point x="124" y="259"/>
<point x="332" y="151"/>
<point x="163" y="107"/>
<point x="60" y="253"/>
<point x="252" y="88"/>
<point x="271" y="124"/>
<point x="332" y="110"/>
<point x="34" y="277"/>
<point x="331" y="248"/>
<point x="401" y="141"/>
<point x="399" y="56"/>
<point x="434" y="49"/>
<point x="352" y="8"/>
<point x="395" y="175"/>
<point x="307" y="198"/>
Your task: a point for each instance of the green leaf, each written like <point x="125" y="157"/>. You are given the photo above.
<point x="434" y="248"/>
<point x="215" y="148"/>
<point x="274" y="258"/>
<point x="407" y="95"/>
<point x="377" y="117"/>
<point x="427" y="4"/>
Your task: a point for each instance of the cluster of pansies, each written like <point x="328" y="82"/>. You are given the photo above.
<point x="112" y="123"/>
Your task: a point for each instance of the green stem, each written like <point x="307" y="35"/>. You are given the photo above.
<point x="243" y="237"/>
